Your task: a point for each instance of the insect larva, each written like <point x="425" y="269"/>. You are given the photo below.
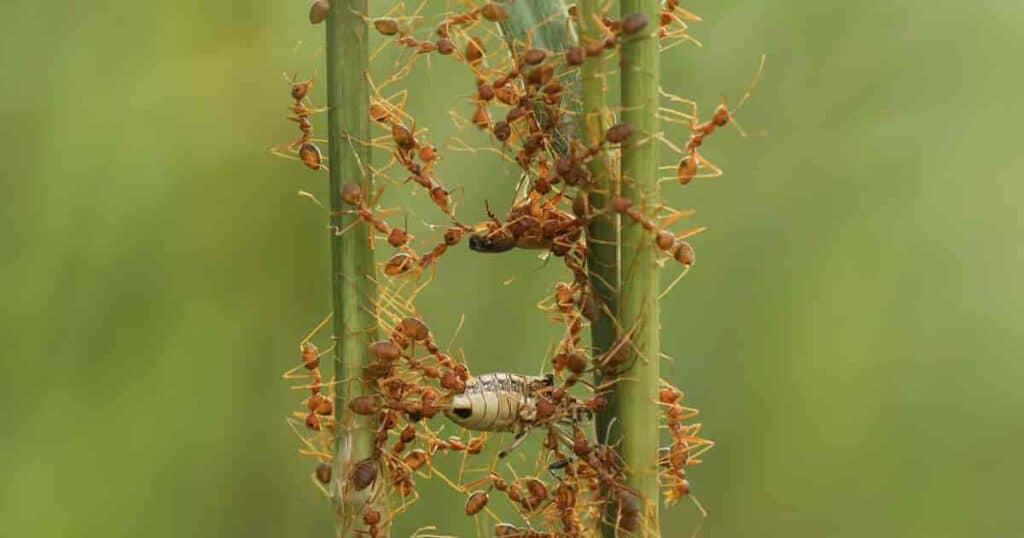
<point x="497" y="401"/>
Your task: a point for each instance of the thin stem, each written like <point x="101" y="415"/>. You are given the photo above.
<point x="603" y="232"/>
<point x="354" y="293"/>
<point x="636" y="394"/>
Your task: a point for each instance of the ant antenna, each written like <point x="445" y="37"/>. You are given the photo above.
<point x="753" y="83"/>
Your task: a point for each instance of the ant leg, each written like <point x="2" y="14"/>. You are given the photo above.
<point x="489" y="479"/>
<point x="341" y="231"/>
<point x="753" y="84"/>
<point x="674" y="215"/>
<point x="516" y="441"/>
<point x="316" y="330"/>
<point x="282" y="150"/>
<point x="457" y="144"/>
<point x="416" y="291"/>
<point x="663" y="294"/>
<point x="704" y="163"/>
<point x="310" y="450"/>
<point x="675" y="116"/>
<point x="675" y="149"/>
<point x="681" y="100"/>
<point x="679" y="36"/>
<point x="690" y="233"/>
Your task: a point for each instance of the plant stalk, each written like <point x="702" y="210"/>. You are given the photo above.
<point x="603" y="231"/>
<point x="635" y="398"/>
<point x="354" y="293"/>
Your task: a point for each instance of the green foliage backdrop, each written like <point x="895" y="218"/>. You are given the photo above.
<point x="851" y="330"/>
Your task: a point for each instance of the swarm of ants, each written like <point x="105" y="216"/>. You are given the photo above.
<point x="523" y="99"/>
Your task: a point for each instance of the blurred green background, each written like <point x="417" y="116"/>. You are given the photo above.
<point x="851" y="331"/>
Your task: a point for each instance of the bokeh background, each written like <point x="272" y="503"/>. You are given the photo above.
<point x="851" y="330"/>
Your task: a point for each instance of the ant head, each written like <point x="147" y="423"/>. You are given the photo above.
<point x="722" y="115"/>
<point x="488" y="243"/>
<point x="301" y="89"/>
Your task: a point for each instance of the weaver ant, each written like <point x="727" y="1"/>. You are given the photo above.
<point x="686" y="446"/>
<point x="688" y="166"/>
<point x="308" y="152"/>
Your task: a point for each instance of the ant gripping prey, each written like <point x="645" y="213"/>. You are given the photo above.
<point x="532" y="223"/>
<point x="536" y="223"/>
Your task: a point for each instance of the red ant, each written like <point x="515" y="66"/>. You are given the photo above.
<point x="308" y="152"/>
<point x="688" y="166"/>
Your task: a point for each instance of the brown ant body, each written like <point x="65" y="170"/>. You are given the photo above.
<point x="686" y="446"/>
<point x="532" y="223"/>
<point x="672" y="244"/>
<point x="308" y="152"/>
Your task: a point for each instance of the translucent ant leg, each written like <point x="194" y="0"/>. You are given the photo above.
<point x="405" y="503"/>
<point x="674" y="216"/>
<point x="382" y="142"/>
<point x="677" y="99"/>
<point x="319" y="486"/>
<point x="704" y="163"/>
<point x="676" y="280"/>
<point x="399" y="109"/>
<point x="678" y="37"/>
<point x="749" y="91"/>
<point x="457" y="144"/>
<point x="311" y="450"/>
<point x="396" y="111"/>
<point x="328" y="385"/>
<point x="419" y="533"/>
<point x="392" y="309"/>
<point x="690" y="233"/>
<point x="462" y="465"/>
<point x="306" y="111"/>
<point x="316" y="330"/>
<point x="675" y="149"/>
<point x="671" y="115"/>
<point x="517" y="440"/>
<point x="480" y="482"/>
<point x="341" y="231"/>
<point x="416" y="291"/>
<point x="458" y="488"/>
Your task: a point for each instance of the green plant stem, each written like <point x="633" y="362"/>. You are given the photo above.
<point x="635" y="399"/>
<point x="354" y="293"/>
<point x="603" y="231"/>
